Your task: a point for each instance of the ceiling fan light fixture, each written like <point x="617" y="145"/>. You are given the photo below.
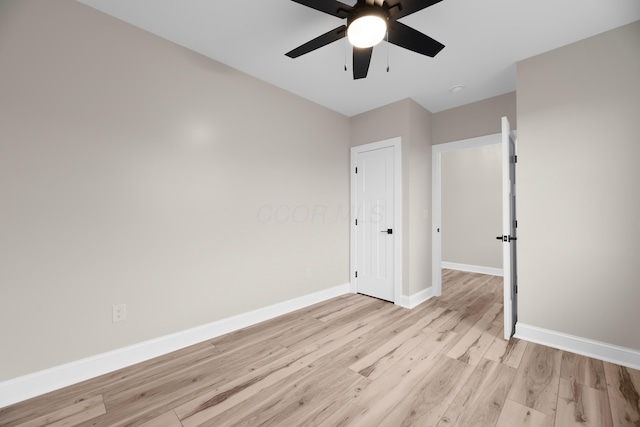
<point x="367" y="31"/>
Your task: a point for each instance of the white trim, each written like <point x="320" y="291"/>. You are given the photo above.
<point x="436" y="220"/>
<point x="37" y="383"/>
<point x="396" y="144"/>
<point x="472" y="268"/>
<point x="436" y="199"/>
<point x="584" y="346"/>
<point x="417" y="298"/>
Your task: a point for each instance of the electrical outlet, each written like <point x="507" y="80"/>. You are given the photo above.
<point x="119" y="312"/>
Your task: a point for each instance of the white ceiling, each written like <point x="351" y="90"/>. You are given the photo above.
<point x="483" y="39"/>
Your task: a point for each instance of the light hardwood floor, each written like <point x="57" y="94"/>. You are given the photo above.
<point x="357" y="361"/>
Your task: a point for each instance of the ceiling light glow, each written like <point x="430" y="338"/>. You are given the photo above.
<point x="367" y="31"/>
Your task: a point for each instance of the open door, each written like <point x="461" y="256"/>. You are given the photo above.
<point x="509" y="229"/>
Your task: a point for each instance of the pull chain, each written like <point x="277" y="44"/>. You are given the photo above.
<point x="345" y="53"/>
<point x="387" y="40"/>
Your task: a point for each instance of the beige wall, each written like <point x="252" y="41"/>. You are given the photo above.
<point x="134" y="171"/>
<point x="472" y="206"/>
<point x="579" y="202"/>
<point x="412" y="123"/>
<point x="475" y="119"/>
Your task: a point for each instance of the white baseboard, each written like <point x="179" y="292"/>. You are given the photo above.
<point x="586" y="347"/>
<point x="31" y="385"/>
<point x="473" y="268"/>
<point x="417" y="298"/>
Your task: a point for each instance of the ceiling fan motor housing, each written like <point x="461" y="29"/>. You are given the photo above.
<point x="368" y="10"/>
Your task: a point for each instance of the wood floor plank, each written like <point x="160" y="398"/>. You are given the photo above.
<point x="583" y="370"/>
<point x="623" y="387"/>
<point x="467" y="289"/>
<point x="394" y="385"/>
<point x="374" y="307"/>
<point x="580" y="405"/>
<point x="379" y="359"/>
<point x="222" y="398"/>
<point x="477" y="340"/>
<point x="279" y="327"/>
<point x="260" y="332"/>
<point x="427" y="401"/>
<point x="469" y="314"/>
<point x="327" y="407"/>
<point x="480" y="401"/>
<point x="145" y="400"/>
<point x="309" y="389"/>
<point x="517" y="415"/>
<point x="537" y="379"/>
<point x="70" y="416"/>
<point x="333" y="312"/>
<point x="507" y="352"/>
<point x="110" y="382"/>
<point x="168" y="419"/>
<point x="396" y="324"/>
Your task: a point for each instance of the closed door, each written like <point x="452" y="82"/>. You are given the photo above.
<point x="375" y="238"/>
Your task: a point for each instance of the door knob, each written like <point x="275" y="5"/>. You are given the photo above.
<point x="388" y="231"/>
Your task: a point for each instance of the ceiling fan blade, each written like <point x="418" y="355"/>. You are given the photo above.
<point x="318" y="42"/>
<point x="331" y="7"/>
<point x="400" y="8"/>
<point x="408" y="38"/>
<point x="361" y="60"/>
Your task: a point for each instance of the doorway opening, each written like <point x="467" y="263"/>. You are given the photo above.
<point x="500" y="142"/>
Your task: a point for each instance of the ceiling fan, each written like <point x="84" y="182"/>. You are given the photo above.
<point x="368" y="21"/>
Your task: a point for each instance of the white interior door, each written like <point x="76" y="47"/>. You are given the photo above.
<point x="509" y="229"/>
<point x="374" y="223"/>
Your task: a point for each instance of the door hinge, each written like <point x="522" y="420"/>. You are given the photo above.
<point x="515" y="159"/>
<point x="356" y="221"/>
<point x="515" y="223"/>
<point x="356" y="170"/>
<point x="356" y="274"/>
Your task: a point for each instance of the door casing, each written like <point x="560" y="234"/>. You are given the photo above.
<point x="396" y="144"/>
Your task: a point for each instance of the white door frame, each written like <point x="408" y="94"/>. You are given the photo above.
<point x="436" y="201"/>
<point x="396" y="144"/>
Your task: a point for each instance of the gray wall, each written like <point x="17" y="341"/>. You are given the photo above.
<point x="134" y="171"/>
<point x="475" y="119"/>
<point x="472" y="206"/>
<point x="412" y="123"/>
<point x="579" y="202"/>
